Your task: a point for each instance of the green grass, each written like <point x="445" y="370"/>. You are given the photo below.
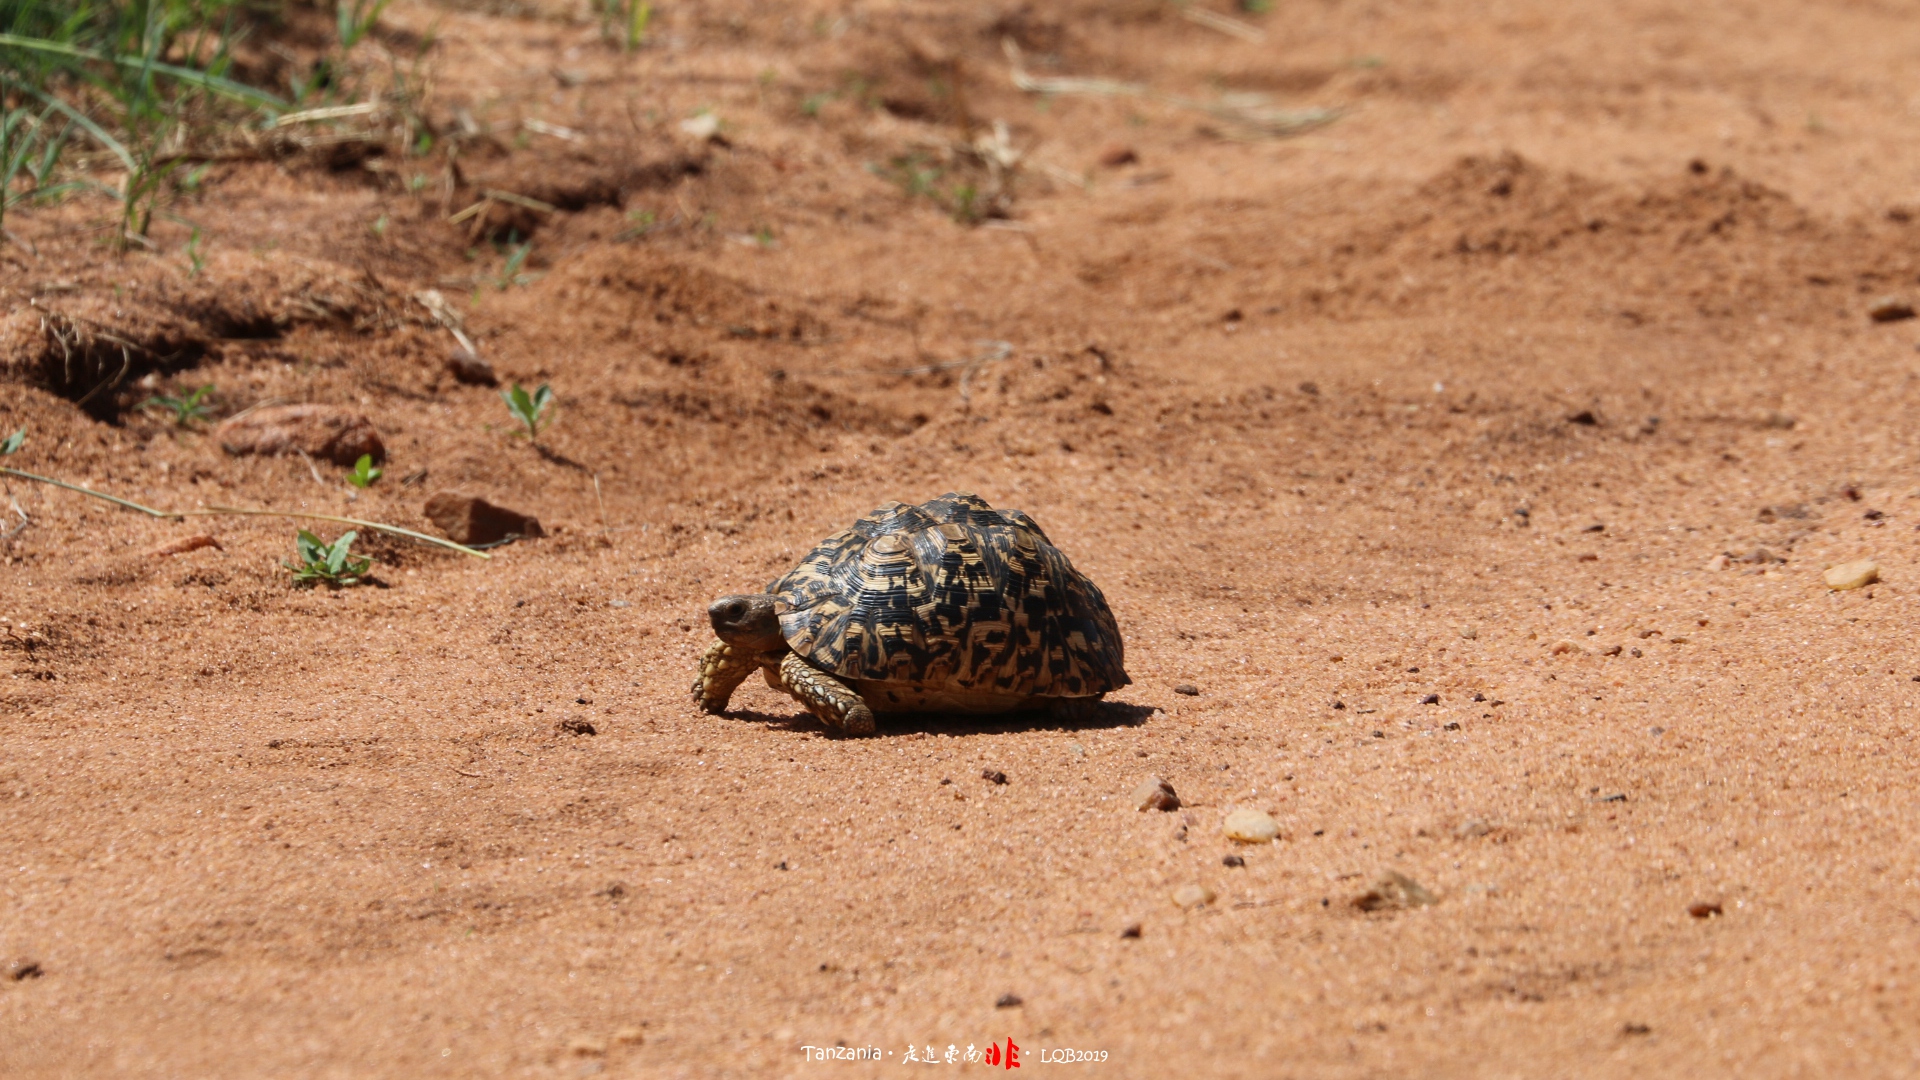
<point x="626" y="20"/>
<point x="124" y="97"/>
<point x="918" y="176"/>
<point x="13" y="442"/>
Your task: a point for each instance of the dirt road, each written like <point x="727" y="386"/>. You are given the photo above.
<point x="1470" y="421"/>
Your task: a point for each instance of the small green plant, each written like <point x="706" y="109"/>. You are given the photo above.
<point x="196" y="258"/>
<point x="510" y="274"/>
<point x="329" y="564"/>
<point x="185" y="409"/>
<point x="527" y="408"/>
<point x="355" y="19"/>
<point x="364" y="474"/>
<point x="953" y="192"/>
<point x="643" y="223"/>
<point x="13" y="442"/>
<point x="628" y="18"/>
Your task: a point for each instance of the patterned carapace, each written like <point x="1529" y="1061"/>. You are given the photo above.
<point x="954" y="595"/>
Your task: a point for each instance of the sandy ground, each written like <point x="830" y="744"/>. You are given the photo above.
<point x="1477" y="456"/>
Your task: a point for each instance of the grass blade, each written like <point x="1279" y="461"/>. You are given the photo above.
<point x="146" y="65"/>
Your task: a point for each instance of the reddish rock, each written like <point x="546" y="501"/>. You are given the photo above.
<point x="328" y="432"/>
<point x="1117" y="155"/>
<point x="467" y="519"/>
<point x="184" y="545"/>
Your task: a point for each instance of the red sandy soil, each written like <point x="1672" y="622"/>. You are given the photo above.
<point x="1282" y="398"/>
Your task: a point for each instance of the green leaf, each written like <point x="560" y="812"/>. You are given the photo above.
<point x="13" y="442"/>
<point x="526" y="407"/>
<point x="364" y="474"/>
<point x="337" y="555"/>
<point x="311" y="549"/>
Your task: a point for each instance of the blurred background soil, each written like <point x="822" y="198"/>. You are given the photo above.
<point x="1464" y="400"/>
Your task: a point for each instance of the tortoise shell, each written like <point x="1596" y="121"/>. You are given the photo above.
<point x="952" y="596"/>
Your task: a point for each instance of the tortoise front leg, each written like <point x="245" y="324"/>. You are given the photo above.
<point x="722" y="669"/>
<point x="826" y="697"/>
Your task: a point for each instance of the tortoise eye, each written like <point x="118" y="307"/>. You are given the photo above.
<point x="736" y="609"/>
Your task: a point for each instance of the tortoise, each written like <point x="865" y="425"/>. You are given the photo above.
<point x="950" y="606"/>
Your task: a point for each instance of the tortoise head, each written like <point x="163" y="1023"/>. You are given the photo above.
<point x="750" y="621"/>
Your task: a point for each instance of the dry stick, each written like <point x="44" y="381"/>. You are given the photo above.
<point x="215" y="511"/>
<point x="1000" y="351"/>
<point x="126" y="361"/>
<point x="219" y="511"/>
<point x="604" y="527"/>
<point x="1249" y="110"/>
<point x="115" y="499"/>
<point x="1215" y="21"/>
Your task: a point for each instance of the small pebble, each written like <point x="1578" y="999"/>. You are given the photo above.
<point x="1250" y="827"/>
<point x="1854" y="575"/>
<point x="1472" y="828"/>
<point x="470" y="369"/>
<point x="1469" y="632"/>
<point x="1479" y="697"/>
<point x="1451" y="725"/>
<point x="21" y="969"/>
<point x="702" y="128"/>
<point x="1704" y="910"/>
<point x="574" y="725"/>
<point x="587" y="1046"/>
<point x="1430" y="699"/>
<point x="993" y="776"/>
<point x="1155" y="794"/>
<point x="1007" y="1001"/>
<point x="1394" y="890"/>
<point x="1116" y="155"/>
<point x="1192" y="896"/>
<point x="629" y="1036"/>
<point x="1611" y="650"/>
<point x="1563" y="646"/>
<point x="1188" y="689"/>
<point x="1889" y="309"/>
<point x="1718" y="562"/>
<point x="1635" y="652"/>
<point x="1635" y="1029"/>
<point x="1131" y="930"/>
<point x="1232" y="860"/>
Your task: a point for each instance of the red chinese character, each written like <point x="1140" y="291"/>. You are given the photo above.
<point x="1013" y="1055"/>
<point x="993" y="1053"/>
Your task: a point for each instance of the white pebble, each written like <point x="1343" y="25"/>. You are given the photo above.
<point x="1250" y="827"/>
<point x="1853" y="575"/>
<point x="1192" y="896"/>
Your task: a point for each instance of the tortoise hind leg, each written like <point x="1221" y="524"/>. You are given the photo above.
<point x="1074" y="710"/>
<point x="826" y="697"/>
<point x="722" y="669"/>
